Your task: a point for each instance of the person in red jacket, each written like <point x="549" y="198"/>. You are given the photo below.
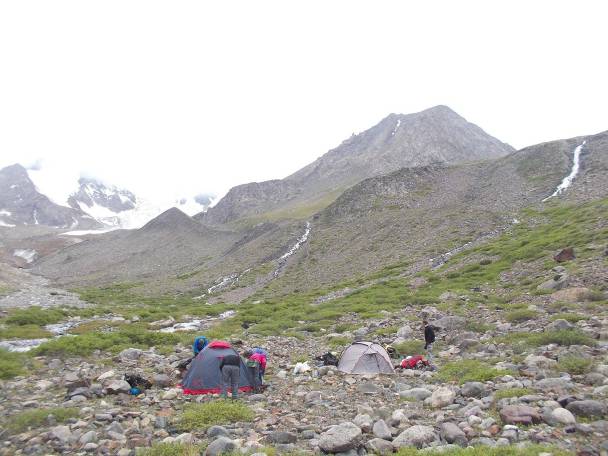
<point x="256" y="363"/>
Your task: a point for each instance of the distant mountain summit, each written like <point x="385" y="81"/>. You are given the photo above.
<point x="22" y="204"/>
<point x="102" y="202"/>
<point x="435" y="136"/>
<point x="171" y="220"/>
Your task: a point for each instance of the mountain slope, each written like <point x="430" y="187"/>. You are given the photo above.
<point x="22" y="204"/>
<point x="436" y="135"/>
<point x="417" y="214"/>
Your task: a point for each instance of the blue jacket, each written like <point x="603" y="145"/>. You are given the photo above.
<point x="203" y="343"/>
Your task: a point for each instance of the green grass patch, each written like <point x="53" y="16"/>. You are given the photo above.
<point x="24" y="332"/>
<point x="201" y="416"/>
<point x="128" y="337"/>
<point x="479" y="326"/>
<point x="410" y="347"/>
<point x="482" y="450"/>
<point x="11" y="364"/>
<point x="574" y="365"/>
<point x="33" y="419"/>
<point x="35" y="316"/>
<point x="521" y="315"/>
<point x="571" y="317"/>
<point x="565" y="338"/>
<point x="171" y="449"/>
<point x="512" y="392"/>
<point x="338" y="342"/>
<point x="468" y="370"/>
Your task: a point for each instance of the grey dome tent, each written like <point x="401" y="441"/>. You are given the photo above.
<point x="204" y="376"/>
<point x="365" y="358"/>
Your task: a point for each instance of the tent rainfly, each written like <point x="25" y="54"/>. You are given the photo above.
<point x="365" y="358"/>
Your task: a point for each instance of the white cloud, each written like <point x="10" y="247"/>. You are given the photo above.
<point x="200" y="96"/>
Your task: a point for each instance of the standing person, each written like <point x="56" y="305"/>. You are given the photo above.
<point x="429" y="338"/>
<point x="230" y="368"/>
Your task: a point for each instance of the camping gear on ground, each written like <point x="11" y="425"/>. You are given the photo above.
<point x="137" y="381"/>
<point x="301" y="368"/>
<point x="328" y="359"/>
<point x="392" y="352"/>
<point x="134" y="391"/>
<point x="199" y="344"/>
<point x="365" y="358"/>
<point x="204" y="375"/>
<point x="414" y="362"/>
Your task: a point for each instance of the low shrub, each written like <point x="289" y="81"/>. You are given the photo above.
<point x="410" y="347"/>
<point x="201" y="416"/>
<point x="564" y="337"/>
<point x="337" y="342"/>
<point x="512" y="392"/>
<point x="32" y="419"/>
<point x="171" y="449"/>
<point x="468" y="370"/>
<point x="127" y="337"/>
<point x="574" y="365"/>
<point x="24" y="332"/>
<point x="517" y="316"/>
<point x="571" y="317"/>
<point x="479" y="326"/>
<point x="35" y="315"/>
<point x="483" y="450"/>
<point x="11" y="364"/>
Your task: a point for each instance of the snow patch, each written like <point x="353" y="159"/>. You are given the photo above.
<point x="27" y="254"/>
<point x="5" y="212"/>
<point x="573" y="172"/>
<point x="396" y="127"/>
<point x="84" y="232"/>
<point x="6" y="225"/>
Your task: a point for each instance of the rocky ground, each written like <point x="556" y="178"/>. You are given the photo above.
<point x="532" y="400"/>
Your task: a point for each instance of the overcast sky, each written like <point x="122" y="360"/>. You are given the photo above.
<point x="200" y="96"/>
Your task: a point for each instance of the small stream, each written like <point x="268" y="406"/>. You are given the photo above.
<point x="573" y="172"/>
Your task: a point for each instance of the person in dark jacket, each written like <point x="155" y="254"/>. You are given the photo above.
<point x="429" y="339"/>
<point x="230" y="367"/>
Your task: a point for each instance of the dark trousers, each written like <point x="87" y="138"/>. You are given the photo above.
<point x="254" y="374"/>
<point x="231" y="376"/>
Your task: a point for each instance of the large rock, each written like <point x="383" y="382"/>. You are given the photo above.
<point x="217" y="431"/>
<point x="566" y="254"/>
<point x="162" y="380"/>
<point x="559" y="325"/>
<point x="418" y="394"/>
<point x="417" y="436"/>
<point x="450" y="322"/>
<point x="587" y="408"/>
<point x="563" y="416"/>
<point x="557" y="282"/>
<point x="442" y="396"/>
<point x="364" y="421"/>
<point x="282" y="437"/>
<point x="381" y="430"/>
<point x="341" y="438"/>
<point x="221" y="445"/>
<point x="520" y="414"/>
<point x="118" y="386"/>
<point x="473" y="389"/>
<point x="405" y="332"/>
<point x="62" y="433"/>
<point x="380" y="446"/>
<point x="574" y="294"/>
<point x="130" y="354"/>
<point x="541" y="362"/>
<point x="556" y="384"/>
<point x="451" y="433"/>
